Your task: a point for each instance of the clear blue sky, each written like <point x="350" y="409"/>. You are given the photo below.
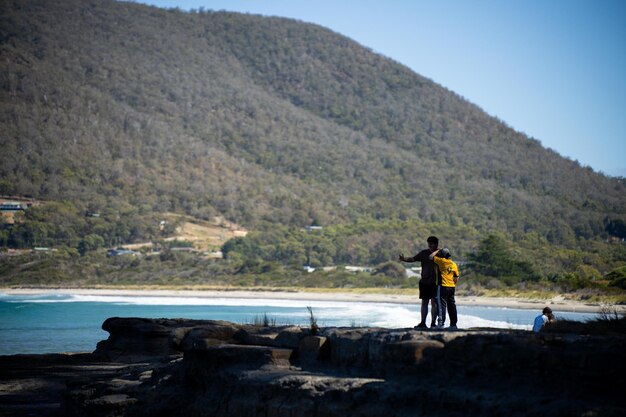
<point x="555" y="70"/>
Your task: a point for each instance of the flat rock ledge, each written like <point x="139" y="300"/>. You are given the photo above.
<point x="179" y="367"/>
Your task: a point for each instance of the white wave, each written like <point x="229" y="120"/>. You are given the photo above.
<point x="466" y="321"/>
<point x="191" y="301"/>
<point x="333" y="313"/>
<point x="35" y="298"/>
<point x="401" y="318"/>
<point x="398" y="316"/>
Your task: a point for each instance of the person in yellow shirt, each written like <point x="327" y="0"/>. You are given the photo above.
<point x="449" y="275"/>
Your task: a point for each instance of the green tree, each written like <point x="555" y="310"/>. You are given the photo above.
<point x="392" y="270"/>
<point x="90" y="242"/>
<point x="495" y="259"/>
<point x="617" y="278"/>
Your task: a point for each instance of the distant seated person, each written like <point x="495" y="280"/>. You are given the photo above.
<point x="546" y="317"/>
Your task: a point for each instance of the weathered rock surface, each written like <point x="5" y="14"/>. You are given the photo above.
<point x="135" y="339"/>
<point x="208" y="368"/>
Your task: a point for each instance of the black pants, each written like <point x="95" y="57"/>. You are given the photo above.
<point x="446" y="298"/>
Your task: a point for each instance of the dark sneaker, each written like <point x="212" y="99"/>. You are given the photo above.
<point x="452" y="328"/>
<point x="420" y="326"/>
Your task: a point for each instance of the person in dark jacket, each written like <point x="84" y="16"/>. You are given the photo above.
<point x="428" y="280"/>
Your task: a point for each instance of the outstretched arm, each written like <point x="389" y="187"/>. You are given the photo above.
<point x="402" y="258"/>
<point x="432" y="255"/>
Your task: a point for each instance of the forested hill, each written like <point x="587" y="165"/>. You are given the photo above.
<point x="124" y="108"/>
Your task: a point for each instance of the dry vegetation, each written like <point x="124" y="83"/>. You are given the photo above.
<point x="272" y="124"/>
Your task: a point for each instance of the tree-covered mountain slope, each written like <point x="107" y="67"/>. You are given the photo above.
<point x="131" y="110"/>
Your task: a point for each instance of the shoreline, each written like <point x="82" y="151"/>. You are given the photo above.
<point x="557" y="304"/>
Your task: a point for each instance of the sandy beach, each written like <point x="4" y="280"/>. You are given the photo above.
<point x="557" y="303"/>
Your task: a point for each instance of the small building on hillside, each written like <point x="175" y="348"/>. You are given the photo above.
<point x="351" y="268"/>
<point x="13" y="206"/>
<point x="8" y="210"/>
<point x="120" y="252"/>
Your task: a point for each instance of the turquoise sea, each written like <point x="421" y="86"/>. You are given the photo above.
<point x="72" y="323"/>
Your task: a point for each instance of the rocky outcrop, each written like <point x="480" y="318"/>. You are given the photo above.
<point x="210" y="368"/>
<point x="135" y="339"/>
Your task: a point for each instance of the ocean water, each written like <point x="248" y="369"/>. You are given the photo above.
<point x="72" y="323"/>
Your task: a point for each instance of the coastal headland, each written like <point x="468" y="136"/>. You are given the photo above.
<point x="180" y="367"/>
